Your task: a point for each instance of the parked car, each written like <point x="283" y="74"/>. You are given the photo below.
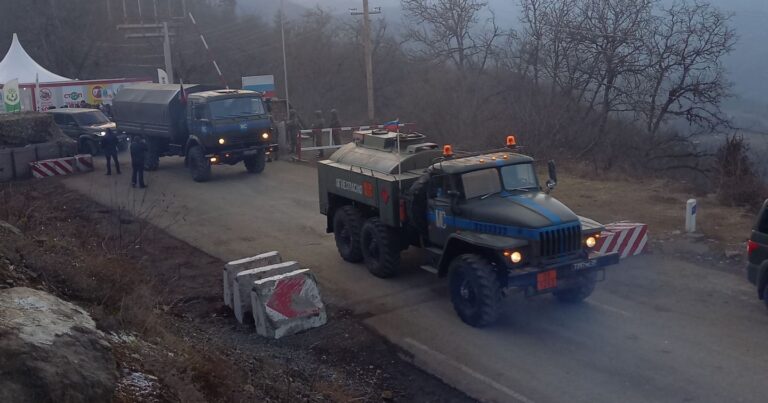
<point x="757" y="251"/>
<point x="87" y="127"/>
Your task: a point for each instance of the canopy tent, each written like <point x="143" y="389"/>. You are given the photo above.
<point x="17" y="64"/>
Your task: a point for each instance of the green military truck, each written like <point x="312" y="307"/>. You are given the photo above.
<point x="206" y="127"/>
<point x="482" y="220"/>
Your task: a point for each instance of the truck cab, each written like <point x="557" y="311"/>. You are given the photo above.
<point x="223" y="120"/>
<point x="757" y="254"/>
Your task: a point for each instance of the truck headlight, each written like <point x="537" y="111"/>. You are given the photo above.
<point x="514" y="256"/>
<point x="221" y="141"/>
<point x="265" y="135"/>
<point x="102" y="133"/>
<point x="591" y="241"/>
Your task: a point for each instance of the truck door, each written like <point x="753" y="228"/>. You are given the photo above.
<point x="439" y="209"/>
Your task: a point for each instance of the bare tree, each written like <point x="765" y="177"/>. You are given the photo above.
<point x="684" y="77"/>
<point x="447" y="30"/>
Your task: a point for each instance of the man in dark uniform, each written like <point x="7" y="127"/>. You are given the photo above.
<point x="138" y="155"/>
<point x="294" y="125"/>
<point x="109" y="147"/>
<point x="335" y="124"/>
<point x="317" y="131"/>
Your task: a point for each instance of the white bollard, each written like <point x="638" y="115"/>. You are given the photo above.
<point x="690" y="215"/>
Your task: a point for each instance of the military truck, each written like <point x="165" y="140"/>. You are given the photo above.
<point x="481" y="219"/>
<point x="757" y="254"/>
<point x="207" y="127"/>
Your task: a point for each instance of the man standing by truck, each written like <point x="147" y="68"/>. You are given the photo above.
<point x="138" y="156"/>
<point x="109" y="147"/>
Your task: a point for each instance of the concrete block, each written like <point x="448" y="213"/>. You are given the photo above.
<point x="287" y="304"/>
<point x="6" y="165"/>
<point x="84" y="162"/>
<point x="241" y="291"/>
<point x="232" y="268"/>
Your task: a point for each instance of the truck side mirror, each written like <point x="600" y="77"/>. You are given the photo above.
<point x="552" y="182"/>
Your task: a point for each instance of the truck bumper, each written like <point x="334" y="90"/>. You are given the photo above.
<point x="542" y="280"/>
<point x="233" y="156"/>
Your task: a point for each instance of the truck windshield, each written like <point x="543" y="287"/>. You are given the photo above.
<point x="518" y="177"/>
<point x="236" y="107"/>
<point x="486" y="182"/>
<point x="90" y="118"/>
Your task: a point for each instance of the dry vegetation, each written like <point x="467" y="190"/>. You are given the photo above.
<point x="161" y="300"/>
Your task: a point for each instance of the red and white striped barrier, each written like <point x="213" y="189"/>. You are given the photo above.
<point x="84" y="162"/>
<point x="628" y="239"/>
<point x="53" y="167"/>
<point x="286" y="304"/>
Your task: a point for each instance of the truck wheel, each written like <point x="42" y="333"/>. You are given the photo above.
<point x="199" y="165"/>
<point x="381" y="248"/>
<point x="255" y="163"/>
<point x="347" y="224"/>
<point x="475" y="290"/>
<point x="152" y="158"/>
<point x="580" y="292"/>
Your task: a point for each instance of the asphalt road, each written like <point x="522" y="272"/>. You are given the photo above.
<point x="659" y="329"/>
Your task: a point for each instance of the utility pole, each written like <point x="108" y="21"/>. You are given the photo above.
<point x="285" y="64"/>
<point x="367" y="48"/>
<point x="167" y="53"/>
<point x="141" y="31"/>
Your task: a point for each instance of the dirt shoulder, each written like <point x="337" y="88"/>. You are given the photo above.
<point x="160" y="299"/>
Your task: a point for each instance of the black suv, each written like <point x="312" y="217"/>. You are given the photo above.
<point x="86" y="126"/>
<point x="757" y="251"/>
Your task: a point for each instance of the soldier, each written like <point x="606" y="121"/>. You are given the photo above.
<point x="335" y="124"/>
<point x="293" y="126"/>
<point x="317" y="132"/>
<point x="109" y="147"/>
<point x="138" y="155"/>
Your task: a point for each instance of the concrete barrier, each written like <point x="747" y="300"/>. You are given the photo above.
<point x="53" y="167"/>
<point x="241" y="292"/>
<point x="628" y="239"/>
<point x="84" y="162"/>
<point x="15" y="162"/>
<point x="236" y="266"/>
<point x="7" y="171"/>
<point x="286" y="304"/>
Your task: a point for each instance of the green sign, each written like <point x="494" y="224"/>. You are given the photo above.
<point x="11" y="96"/>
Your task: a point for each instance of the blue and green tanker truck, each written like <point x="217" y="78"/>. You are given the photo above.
<point x="481" y="219"/>
<point x="205" y="126"/>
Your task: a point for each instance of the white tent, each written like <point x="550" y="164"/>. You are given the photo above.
<point x="18" y="64"/>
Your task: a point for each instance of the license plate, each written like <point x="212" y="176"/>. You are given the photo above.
<point x="546" y="280"/>
<point x="585" y="265"/>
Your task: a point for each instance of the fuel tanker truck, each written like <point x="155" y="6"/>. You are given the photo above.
<point x="482" y="220"/>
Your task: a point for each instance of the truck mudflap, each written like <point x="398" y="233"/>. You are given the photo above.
<point x="542" y="280"/>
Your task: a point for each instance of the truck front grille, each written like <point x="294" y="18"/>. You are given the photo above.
<point x="560" y="241"/>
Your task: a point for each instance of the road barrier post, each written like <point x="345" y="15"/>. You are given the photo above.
<point x="690" y="215"/>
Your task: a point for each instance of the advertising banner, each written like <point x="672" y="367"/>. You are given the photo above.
<point x="11" y="96"/>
